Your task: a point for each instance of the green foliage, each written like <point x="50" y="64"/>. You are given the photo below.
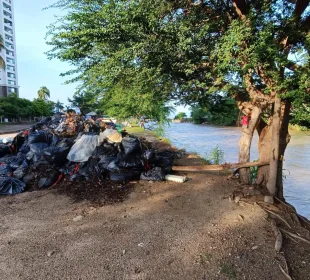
<point x="228" y="270"/>
<point x="85" y="100"/>
<point x="138" y="55"/>
<point x="14" y="107"/>
<point x="58" y="106"/>
<point x="180" y="115"/>
<point x="216" y="156"/>
<point x="218" y="110"/>
<point x="44" y="93"/>
<point x="42" y="107"/>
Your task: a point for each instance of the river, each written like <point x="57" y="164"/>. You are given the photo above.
<point x="203" y="138"/>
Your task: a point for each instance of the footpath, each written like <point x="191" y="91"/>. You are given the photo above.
<point x="145" y="230"/>
<point x="13" y="128"/>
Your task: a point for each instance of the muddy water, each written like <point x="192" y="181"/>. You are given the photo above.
<point x="203" y="138"/>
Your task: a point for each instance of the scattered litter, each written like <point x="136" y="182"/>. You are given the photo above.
<point x="78" y="218"/>
<point x="175" y="178"/>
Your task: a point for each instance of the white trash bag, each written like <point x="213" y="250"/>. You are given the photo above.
<point x="83" y="148"/>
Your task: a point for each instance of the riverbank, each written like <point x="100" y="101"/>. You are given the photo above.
<point x="154" y="230"/>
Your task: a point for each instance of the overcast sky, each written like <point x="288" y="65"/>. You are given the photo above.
<point x="34" y="69"/>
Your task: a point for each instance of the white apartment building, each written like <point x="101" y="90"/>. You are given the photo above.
<point x="8" y="75"/>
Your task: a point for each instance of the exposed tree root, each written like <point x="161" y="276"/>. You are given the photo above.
<point x="272" y="213"/>
<point x="286" y="275"/>
<point x="293" y="235"/>
<point x="278" y="236"/>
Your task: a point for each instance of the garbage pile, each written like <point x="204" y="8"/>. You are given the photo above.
<point x="74" y="149"/>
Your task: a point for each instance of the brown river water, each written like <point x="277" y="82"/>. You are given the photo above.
<point x="203" y="138"/>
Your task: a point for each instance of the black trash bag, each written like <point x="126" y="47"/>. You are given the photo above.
<point x="55" y="139"/>
<point x="69" y="168"/>
<point x="18" y="141"/>
<point x="113" y="167"/>
<point x="155" y="174"/>
<point x="66" y="142"/>
<point x="105" y="161"/>
<point x="14" y="161"/>
<point x="149" y="155"/>
<point x="49" y="181"/>
<point x="164" y="160"/>
<point x="40" y="137"/>
<point x="10" y="185"/>
<point x="5" y="169"/>
<point x="21" y="171"/>
<point x="130" y="161"/>
<point x="125" y="175"/>
<point x="4" y="150"/>
<point x="131" y="145"/>
<point x="76" y="178"/>
<point x="28" y="178"/>
<point x="106" y="149"/>
<point x="24" y="149"/>
<point x="56" y="155"/>
<point x="37" y="148"/>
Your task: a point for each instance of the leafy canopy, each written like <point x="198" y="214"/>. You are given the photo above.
<point x="137" y="55"/>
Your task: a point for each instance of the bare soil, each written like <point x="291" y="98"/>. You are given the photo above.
<point x="143" y="230"/>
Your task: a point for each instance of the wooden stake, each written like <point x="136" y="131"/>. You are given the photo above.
<point x="218" y="167"/>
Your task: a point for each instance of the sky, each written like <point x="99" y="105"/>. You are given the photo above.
<point x="34" y="69"/>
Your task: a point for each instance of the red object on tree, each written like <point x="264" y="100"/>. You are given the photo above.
<point x="245" y="120"/>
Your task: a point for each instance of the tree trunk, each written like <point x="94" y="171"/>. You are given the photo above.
<point x="245" y="144"/>
<point x="275" y="146"/>
<point x="284" y="140"/>
<point x="264" y="146"/>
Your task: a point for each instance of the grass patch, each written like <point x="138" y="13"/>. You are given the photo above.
<point x="228" y="270"/>
<point x="205" y="257"/>
<point x="134" y="129"/>
<point x="298" y="127"/>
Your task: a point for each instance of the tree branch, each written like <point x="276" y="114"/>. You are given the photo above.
<point x="300" y="7"/>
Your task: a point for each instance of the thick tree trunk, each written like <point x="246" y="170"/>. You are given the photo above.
<point x="245" y="144"/>
<point x="264" y="147"/>
<point x="275" y="146"/>
<point x="284" y="140"/>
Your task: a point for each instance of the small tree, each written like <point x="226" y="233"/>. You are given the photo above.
<point x="58" y="106"/>
<point x="180" y="115"/>
<point x="44" y="93"/>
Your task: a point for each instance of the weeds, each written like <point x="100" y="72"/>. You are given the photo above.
<point x="253" y="173"/>
<point x="216" y="156"/>
<point x="205" y="257"/>
<point x="228" y="270"/>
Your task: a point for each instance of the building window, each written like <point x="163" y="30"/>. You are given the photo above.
<point x="10" y="82"/>
<point x="7" y="14"/>
<point x="10" y="68"/>
<point x="8" y="37"/>
<point x="8" y="22"/>
<point x="8" y="30"/>
<point x="9" y="53"/>
<point x="9" y="45"/>
<point x="11" y="75"/>
<point x="12" y="90"/>
<point x="6" y="6"/>
<point x="10" y="60"/>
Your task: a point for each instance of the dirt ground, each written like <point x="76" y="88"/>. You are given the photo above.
<point x="152" y="231"/>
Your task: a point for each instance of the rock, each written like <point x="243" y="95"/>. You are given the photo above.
<point x="268" y="199"/>
<point x="78" y="218"/>
<point x="137" y="270"/>
<point x="254" y="248"/>
<point x="50" y="253"/>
